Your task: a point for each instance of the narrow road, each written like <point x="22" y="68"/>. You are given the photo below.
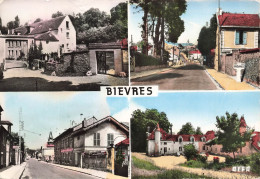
<point x="43" y="170"/>
<point x="189" y="77"/>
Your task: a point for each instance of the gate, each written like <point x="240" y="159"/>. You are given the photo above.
<point x="95" y="161"/>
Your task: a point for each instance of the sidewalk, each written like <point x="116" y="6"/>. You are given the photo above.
<point x="227" y="82"/>
<point x="95" y="173"/>
<point x="13" y="171"/>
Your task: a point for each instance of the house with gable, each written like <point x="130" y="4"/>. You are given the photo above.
<point x="57" y="35"/>
<point x="236" y="32"/>
<point x="161" y="143"/>
<point x="93" y="137"/>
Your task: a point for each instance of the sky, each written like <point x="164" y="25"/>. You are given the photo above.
<point x="45" y="112"/>
<point x="197" y="14"/>
<point x="29" y="10"/>
<point x="201" y="108"/>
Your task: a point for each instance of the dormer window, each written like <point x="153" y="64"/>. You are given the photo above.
<point x="203" y="139"/>
<point x="67" y="25"/>
<point x="192" y="139"/>
<point x="180" y="139"/>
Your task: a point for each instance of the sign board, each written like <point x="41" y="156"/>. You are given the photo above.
<point x="239" y="65"/>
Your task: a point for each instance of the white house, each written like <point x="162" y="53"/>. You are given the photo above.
<point x="95" y="136"/>
<point x="57" y="35"/>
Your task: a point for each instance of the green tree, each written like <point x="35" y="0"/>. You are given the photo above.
<point x="96" y="18"/>
<point x="187" y="129"/>
<point x="190" y="152"/>
<point x="228" y="134"/>
<point x="207" y="38"/>
<point x="10" y="25"/>
<point x="57" y="14"/>
<point x="37" y="20"/>
<point x="16" y="22"/>
<point x="198" y="131"/>
<point x="140" y="120"/>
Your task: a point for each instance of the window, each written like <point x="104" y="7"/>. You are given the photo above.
<point x="67" y="45"/>
<point x="204" y="148"/>
<point x="60" y="29"/>
<point x="241" y="37"/>
<point x="165" y="143"/>
<point x="67" y="24"/>
<point x="110" y="139"/>
<point x="203" y="139"/>
<point x="180" y="139"/>
<point x="192" y="139"/>
<point x="96" y="139"/>
<point x="180" y="148"/>
<point x="68" y="35"/>
<point x="47" y="42"/>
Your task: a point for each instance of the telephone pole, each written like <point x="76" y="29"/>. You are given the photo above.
<point x="21" y="126"/>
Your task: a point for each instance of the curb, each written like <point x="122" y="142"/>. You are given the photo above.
<point x="60" y="166"/>
<point x="22" y="171"/>
<point x="214" y="80"/>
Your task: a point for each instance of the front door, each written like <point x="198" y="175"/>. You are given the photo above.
<point x="165" y="150"/>
<point x="101" y="62"/>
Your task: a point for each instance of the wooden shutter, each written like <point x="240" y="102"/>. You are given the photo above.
<point x="237" y="38"/>
<point x="98" y="139"/>
<point x="95" y="139"/>
<point x="244" y="38"/>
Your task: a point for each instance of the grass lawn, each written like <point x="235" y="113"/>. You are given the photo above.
<point x="172" y="174"/>
<point x="142" y="164"/>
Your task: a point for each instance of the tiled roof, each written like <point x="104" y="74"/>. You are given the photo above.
<point x="242" y="122"/>
<point x="45" y="26"/>
<point x="239" y="20"/>
<point x="209" y="135"/>
<point x="6" y="123"/>
<point x="256" y="140"/>
<point x="123" y="142"/>
<point x="48" y="36"/>
<point x="22" y="30"/>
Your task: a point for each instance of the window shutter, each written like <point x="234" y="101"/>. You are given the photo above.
<point x="237" y="37"/>
<point x="98" y="139"/>
<point x="244" y="38"/>
<point x="95" y="139"/>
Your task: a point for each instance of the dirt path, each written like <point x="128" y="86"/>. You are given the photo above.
<point x="171" y="162"/>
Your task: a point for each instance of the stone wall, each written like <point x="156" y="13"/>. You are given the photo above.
<point x="71" y="64"/>
<point x="251" y="59"/>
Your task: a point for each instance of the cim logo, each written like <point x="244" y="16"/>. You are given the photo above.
<point x="241" y="169"/>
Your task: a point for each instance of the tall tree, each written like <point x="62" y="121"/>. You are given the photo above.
<point x="187" y="129"/>
<point x="16" y="22"/>
<point x="140" y="120"/>
<point x="10" y="25"/>
<point x="229" y="135"/>
<point x="57" y="14"/>
<point x="198" y="131"/>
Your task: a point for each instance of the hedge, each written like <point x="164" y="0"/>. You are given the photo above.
<point x="144" y="60"/>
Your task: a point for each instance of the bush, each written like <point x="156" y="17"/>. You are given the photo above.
<point x="190" y="152"/>
<point x="215" y="166"/>
<point x="144" y="60"/>
<point x="201" y="158"/>
<point x="255" y="163"/>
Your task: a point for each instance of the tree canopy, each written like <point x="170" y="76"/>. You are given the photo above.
<point x="207" y="37"/>
<point x="187" y="129"/>
<point x="229" y="135"/>
<point x="140" y="120"/>
<point x="57" y="14"/>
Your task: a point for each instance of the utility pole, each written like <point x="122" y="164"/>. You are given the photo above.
<point x="21" y="126"/>
<point x="219" y="38"/>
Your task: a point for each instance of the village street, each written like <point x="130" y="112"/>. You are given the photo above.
<point x="41" y="170"/>
<point x="22" y="79"/>
<point x="189" y="77"/>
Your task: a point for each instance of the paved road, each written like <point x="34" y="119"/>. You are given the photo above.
<point x="41" y="170"/>
<point x="189" y="77"/>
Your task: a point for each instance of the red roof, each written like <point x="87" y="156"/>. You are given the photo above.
<point x="124" y="142"/>
<point x="242" y="122"/>
<point x="195" y="52"/>
<point x="239" y="20"/>
<point x="209" y="135"/>
<point x="256" y="140"/>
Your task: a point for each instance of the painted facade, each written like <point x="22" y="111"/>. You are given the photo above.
<point x="236" y="32"/>
<point x="161" y="143"/>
